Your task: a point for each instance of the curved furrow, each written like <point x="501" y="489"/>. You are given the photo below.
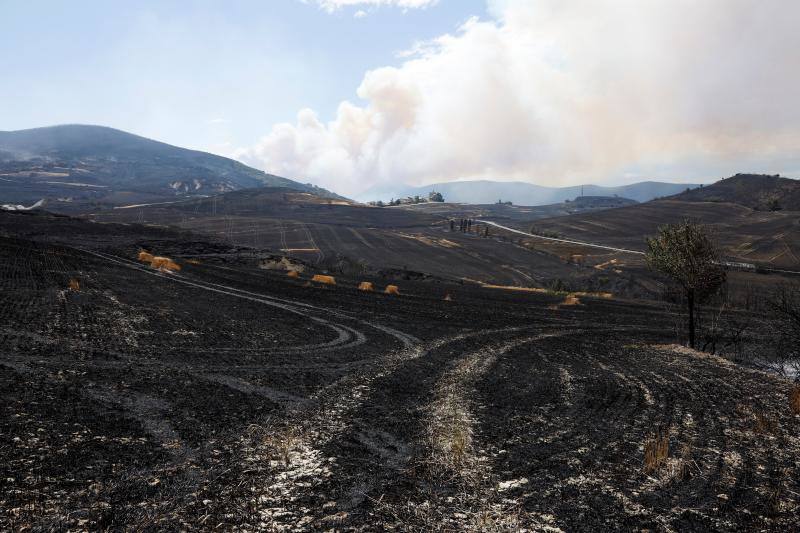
<point x="358" y="433"/>
<point x="292" y="306"/>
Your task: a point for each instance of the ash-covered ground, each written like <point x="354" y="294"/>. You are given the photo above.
<point x="230" y="397"/>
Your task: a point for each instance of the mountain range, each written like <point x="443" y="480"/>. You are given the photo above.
<point x="523" y="193"/>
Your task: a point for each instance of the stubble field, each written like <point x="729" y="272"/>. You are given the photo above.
<point x="226" y="396"/>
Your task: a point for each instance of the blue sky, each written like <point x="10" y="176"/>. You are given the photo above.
<point x="197" y="73"/>
<point x="357" y="94"/>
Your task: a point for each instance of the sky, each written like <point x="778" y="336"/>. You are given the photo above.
<point x="358" y="94"/>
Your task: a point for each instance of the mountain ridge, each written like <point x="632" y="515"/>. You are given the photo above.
<point x="60" y="159"/>
<point x="524" y="193"/>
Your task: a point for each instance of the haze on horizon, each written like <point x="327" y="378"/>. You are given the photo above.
<point x="352" y="94"/>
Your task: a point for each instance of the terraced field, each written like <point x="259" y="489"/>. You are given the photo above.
<point x="229" y="397"/>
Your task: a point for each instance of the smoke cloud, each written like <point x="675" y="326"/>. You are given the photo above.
<point x="559" y="93"/>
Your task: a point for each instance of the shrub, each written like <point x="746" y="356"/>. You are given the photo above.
<point x="785" y="318"/>
<point x="794" y="400"/>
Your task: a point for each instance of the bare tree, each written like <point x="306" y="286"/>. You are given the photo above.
<point x="685" y="253"/>
<point x="786" y="308"/>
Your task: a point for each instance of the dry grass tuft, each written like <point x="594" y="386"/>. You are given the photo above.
<point x="281" y="443"/>
<point x="293" y="274"/>
<point x="74" y="285"/>
<point x="656" y="451"/>
<point x="460" y="441"/>
<point x="193" y="262"/>
<point x="683" y="470"/>
<point x="392" y="289"/>
<point x="165" y="264"/>
<point x="450" y="436"/>
<point x="145" y="257"/>
<point x="447" y="298"/>
<point x="794" y="400"/>
<point x="366" y="286"/>
<point x="325" y="280"/>
<point x="571" y="299"/>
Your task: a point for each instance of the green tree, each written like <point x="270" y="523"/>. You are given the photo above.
<point x="686" y="254"/>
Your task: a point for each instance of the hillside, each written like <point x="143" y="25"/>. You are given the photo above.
<point x="527" y="194"/>
<point x="756" y="191"/>
<point x="99" y="164"/>
<point x="746" y="235"/>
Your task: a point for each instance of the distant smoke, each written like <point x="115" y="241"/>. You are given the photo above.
<point x="562" y="92"/>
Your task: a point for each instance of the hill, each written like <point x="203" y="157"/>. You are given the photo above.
<point x="100" y="164"/>
<point x="528" y="194"/>
<point x="756" y="191"/>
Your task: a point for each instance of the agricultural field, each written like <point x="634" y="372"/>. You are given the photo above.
<point x="225" y="395"/>
<point x="386" y="242"/>
<point x="744" y="234"/>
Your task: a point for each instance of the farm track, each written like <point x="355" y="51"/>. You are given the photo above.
<point x="236" y="398"/>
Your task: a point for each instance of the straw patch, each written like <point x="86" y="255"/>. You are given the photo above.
<point x="510" y="288"/>
<point x="74" y="285"/>
<point x="603" y="266"/>
<point x="145" y="257"/>
<point x="165" y="264"/>
<point x="293" y="274"/>
<point x="392" y="289"/>
<point x="325" y="280"/>
<point x="366" y="286"/>
<point x="604" y="295"/>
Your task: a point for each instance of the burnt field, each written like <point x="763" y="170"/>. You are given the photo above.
<point x="767" y="238"/>
<point x="225" y="396"/>
<point x="359" y="240"/>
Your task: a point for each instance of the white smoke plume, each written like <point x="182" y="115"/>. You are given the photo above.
<point x="560" y="92"/>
